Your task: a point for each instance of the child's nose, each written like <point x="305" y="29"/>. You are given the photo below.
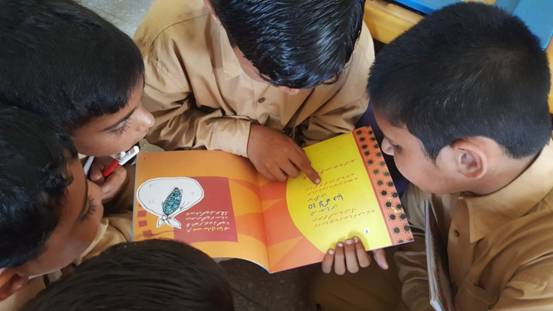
<point x="291" y="91"/>
<point x="146" y="119"/>
<point x="387" y="148"/>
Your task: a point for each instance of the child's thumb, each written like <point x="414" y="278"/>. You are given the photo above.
<point x="380" y="258"/>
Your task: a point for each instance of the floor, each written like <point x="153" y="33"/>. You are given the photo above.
<point x="125" y="14"/>
<point x="253" y="288"/>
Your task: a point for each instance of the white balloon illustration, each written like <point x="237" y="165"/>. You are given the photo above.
<point x="167" y="197"/>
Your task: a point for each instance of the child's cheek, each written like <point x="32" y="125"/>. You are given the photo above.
<point x="406" y="168"/>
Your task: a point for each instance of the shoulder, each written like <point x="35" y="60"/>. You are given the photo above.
<point x="364" y="48"/>
<point x="22" y="296"/>
<point x="172" y="22"/>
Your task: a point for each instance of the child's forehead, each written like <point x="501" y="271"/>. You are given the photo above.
<point x="390" y="129"/>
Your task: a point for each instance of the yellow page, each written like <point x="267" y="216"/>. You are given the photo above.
<point x="343" y="204"/>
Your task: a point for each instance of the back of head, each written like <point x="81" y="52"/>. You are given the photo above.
<point x="466" y="70"/>
<point x="33" y="180"/>
<point x="63" y="61"/>
<point x="297" y="44"/>
<point x="147" y="275"/>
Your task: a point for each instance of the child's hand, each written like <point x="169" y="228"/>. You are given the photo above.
<point x="10" y="282"/>
<point x="276" y="156"/>
<point x="351" y="255"/>
<point x="111" y="185"/>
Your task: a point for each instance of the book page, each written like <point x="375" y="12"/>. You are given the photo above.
<point x="313" y="218"/>
<point x="208" y="199"/>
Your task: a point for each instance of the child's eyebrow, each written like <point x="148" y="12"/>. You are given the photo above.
<point x="125" y="118"/>
<point x="84" y="209"/>
<point x="391" y="141"/>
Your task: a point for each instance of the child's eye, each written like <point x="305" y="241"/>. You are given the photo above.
<point x="91" y="210"/>
<point x="120" y="129"/>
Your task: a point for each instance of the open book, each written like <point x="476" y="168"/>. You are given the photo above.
<point x="218" y="203"/>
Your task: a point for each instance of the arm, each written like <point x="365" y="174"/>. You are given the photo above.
<point x="340" y="113"/>
<point x="179" y="122"/>
<point x="531" y="288"/>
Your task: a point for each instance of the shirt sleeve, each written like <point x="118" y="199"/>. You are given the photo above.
<point x="530" y="289"/>
<point x="340" y="113"/>
<point x="113" y="230"/>
<point x="410" y="258"/>
<point x="180" y="123"/>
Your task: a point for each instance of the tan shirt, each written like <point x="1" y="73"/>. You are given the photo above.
<point x="113" y="230"/>
<point x="499" y="246"/>
<point x="200" y="96"/>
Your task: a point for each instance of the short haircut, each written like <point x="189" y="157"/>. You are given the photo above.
<point x="466" y="70"/>
<point x="297" y="44"/>
<point x="63" y="61"/>
<point x="34" y="158"/>
<point x="147" y="275"/>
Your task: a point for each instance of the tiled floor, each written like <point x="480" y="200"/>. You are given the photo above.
<point x="253" y="288"/>
<point x="125" y="14"/>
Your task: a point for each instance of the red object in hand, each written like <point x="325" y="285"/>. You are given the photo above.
<point x="119" y="160"/>
<point x="108" y="170"/>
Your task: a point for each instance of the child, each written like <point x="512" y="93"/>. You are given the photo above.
<point x="147" y="275"/>
<point x="462" y="101"/>
<point x="255" y="78"/>
<point x="49" y="213"/>
<point x="64" y="62"/>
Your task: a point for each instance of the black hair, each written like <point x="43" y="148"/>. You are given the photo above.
<point x="466" y="70"/>
<point x="147" y="275"/>
<point x="65" y="62"/>
<point x="34" y="155"/>
<point x="297" y="44"/>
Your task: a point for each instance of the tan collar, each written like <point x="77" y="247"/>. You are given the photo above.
<point x="487" y="213"/>
<point x="104" y="223"/>
<point x="225" y="58"/>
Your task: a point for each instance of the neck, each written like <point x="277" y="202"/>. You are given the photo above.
<point x="505" y="172"/>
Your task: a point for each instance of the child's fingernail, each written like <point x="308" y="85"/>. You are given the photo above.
<point x="356" y="239"/>
<point x="349" y="242"/>
<point x="317" y="181"/>
<point x="331" y="252"/>
<point x="340" y="245"/>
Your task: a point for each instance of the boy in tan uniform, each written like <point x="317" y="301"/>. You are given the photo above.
<point x="470" y="125"/>
<point x="255" y="78"/>
<point x="50" y="214"/>
<point x="64" y="62"/>
<point x="89" y="82"/>
<point x="155" y="275"/>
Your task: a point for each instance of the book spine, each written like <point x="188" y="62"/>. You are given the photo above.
<point x="383" y="186"/>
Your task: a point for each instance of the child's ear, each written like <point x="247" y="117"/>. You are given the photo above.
<point x="10" y="282"/>
<point x="471" y="160"/>
<point x="209" y="7"/>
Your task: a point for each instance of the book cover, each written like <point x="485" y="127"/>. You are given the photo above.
<point x="218" y="203"/>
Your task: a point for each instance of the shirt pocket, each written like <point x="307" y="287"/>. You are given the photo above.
<point x="471" y="297"/>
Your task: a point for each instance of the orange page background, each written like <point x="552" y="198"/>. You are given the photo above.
<point x="247" y="241"/>
<point x="287" y="246"/>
